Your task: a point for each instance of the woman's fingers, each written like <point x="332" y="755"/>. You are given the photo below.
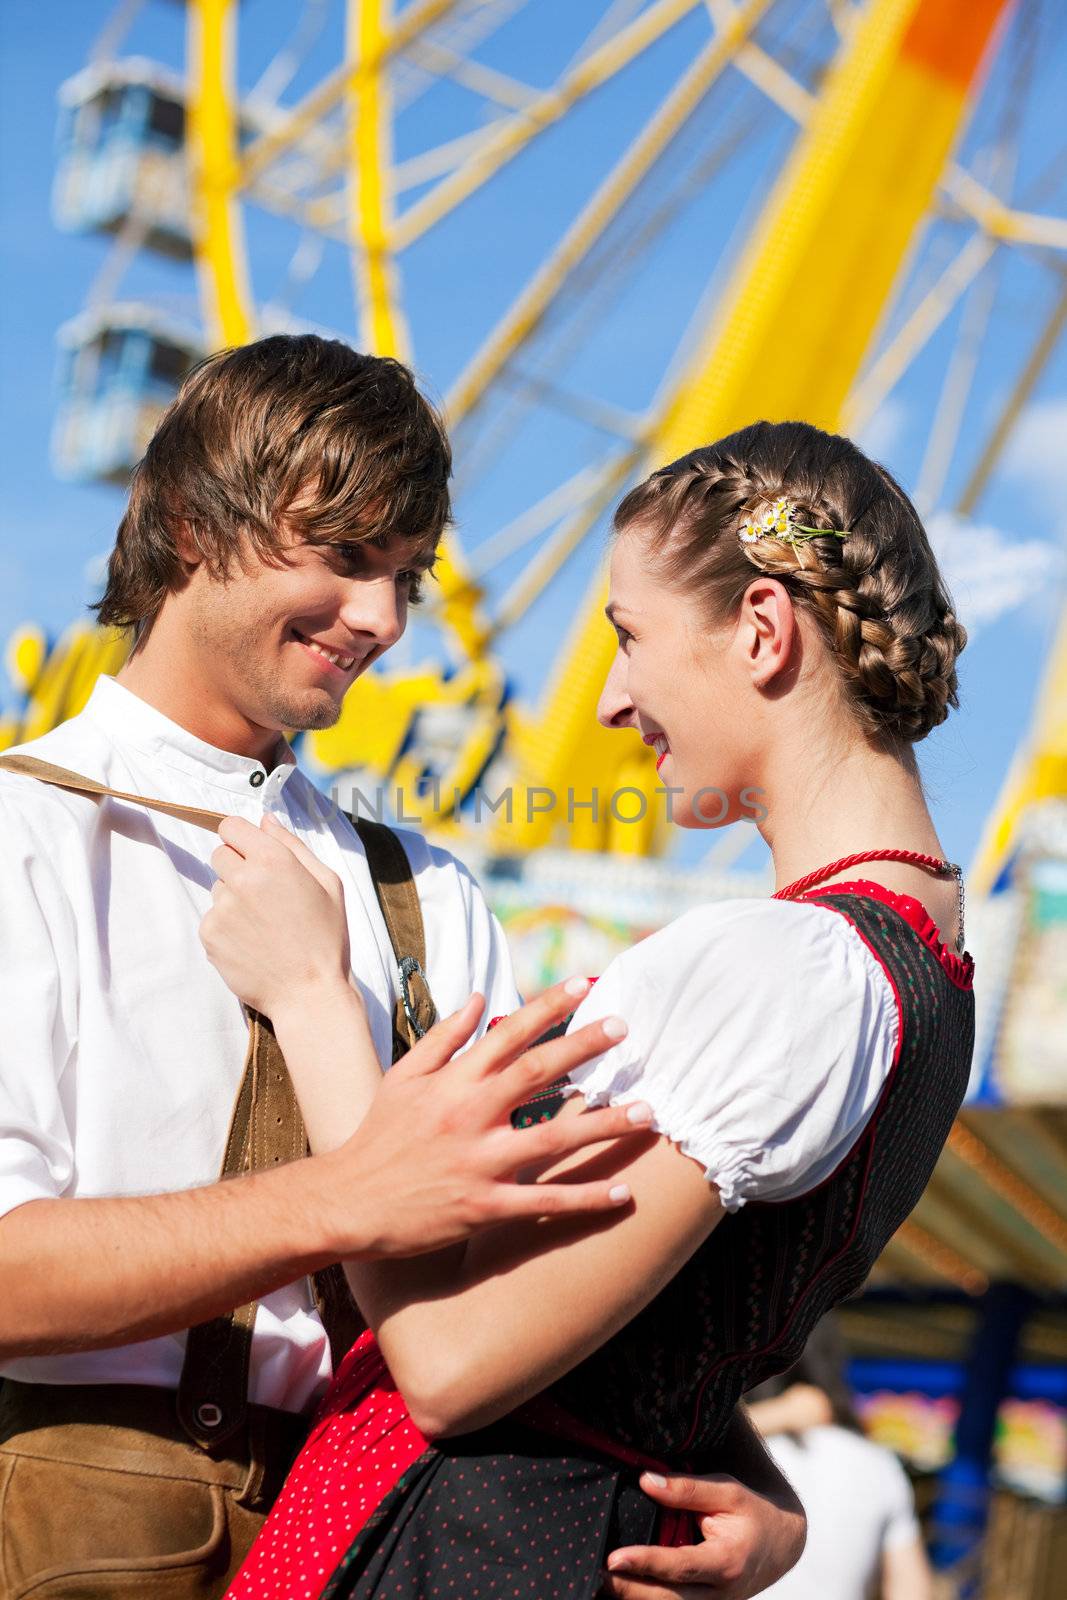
<point x="275" y="830"/>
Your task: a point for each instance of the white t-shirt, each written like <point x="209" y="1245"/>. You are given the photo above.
<point x="859" y="1505"/>
<point x="761" y="1032"/>
<point x="122" y="1048"/>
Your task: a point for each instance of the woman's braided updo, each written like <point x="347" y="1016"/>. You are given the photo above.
<point x="877" y="596"/>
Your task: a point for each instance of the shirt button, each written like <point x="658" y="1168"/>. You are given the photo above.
<point x="257" y="779"/>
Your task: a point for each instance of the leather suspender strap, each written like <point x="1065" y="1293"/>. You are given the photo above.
<point x="394" y="885"/>
<point x="31" y="767"/>
<point x="266" y="1128"/>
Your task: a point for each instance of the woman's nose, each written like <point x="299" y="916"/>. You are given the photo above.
<point x="615" y="709"/>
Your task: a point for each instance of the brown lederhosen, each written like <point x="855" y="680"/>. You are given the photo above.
<point x="118" y="1489"/>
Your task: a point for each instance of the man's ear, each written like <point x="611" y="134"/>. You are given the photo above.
<point x="186" y="546"/>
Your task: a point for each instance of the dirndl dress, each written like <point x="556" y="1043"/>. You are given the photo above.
<point x="528" y="1508"/>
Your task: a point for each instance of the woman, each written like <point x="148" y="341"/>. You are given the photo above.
<point x="781" y="626"/>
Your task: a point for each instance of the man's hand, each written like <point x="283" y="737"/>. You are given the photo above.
<point x="436" y="1158"/>
<point x="750" y="1541"/>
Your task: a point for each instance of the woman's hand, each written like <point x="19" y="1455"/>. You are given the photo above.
<point x="277" y="928"/>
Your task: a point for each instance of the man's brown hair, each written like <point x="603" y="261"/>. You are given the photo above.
<point x="293" y="436"/>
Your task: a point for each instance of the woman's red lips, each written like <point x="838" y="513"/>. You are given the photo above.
<point x="658" y="738"/>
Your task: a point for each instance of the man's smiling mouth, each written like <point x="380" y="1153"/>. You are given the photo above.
<point x="334" y="658"/>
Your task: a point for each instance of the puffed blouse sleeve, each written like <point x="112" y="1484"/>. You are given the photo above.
<point x="760" y="1032"/>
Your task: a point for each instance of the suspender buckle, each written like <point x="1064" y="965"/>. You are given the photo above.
<point x="409" y="967"/>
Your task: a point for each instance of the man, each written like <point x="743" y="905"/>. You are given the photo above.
<point x="281" y="523"/>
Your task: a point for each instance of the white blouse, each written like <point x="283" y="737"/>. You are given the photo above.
<point x="761" y="1033"/>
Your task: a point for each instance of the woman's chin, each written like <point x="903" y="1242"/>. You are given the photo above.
<point x="700" y="805"/>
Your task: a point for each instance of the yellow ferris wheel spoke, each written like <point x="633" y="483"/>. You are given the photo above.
<point x="1038" y="773"/>
<point x="529" y="308"/>
<point x="218" y="236"/>
<point x="382" y="326"/>
<point x="519" y="131"/>
<point x="1044" y="346"/>
<point x="805" y="298"/>
<point x="333" y="89"/>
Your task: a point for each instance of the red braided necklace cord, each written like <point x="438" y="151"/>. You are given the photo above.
<point x="944" y="869"/>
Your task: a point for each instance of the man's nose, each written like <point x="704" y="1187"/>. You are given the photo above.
<point x="374" y="609"/>
<point x="615" y="709"/>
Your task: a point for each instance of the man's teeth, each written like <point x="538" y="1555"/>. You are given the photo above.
<point x="334" y="656"/>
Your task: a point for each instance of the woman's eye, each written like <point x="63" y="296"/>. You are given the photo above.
<point x="623" y="636"/>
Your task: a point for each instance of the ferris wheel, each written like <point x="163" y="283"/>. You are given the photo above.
<point x="603" y="232"/>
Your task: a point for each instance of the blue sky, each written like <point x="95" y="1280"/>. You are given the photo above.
<point x="611" y="341"/>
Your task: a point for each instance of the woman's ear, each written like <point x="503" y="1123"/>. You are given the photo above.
<point x="769" y="630"/>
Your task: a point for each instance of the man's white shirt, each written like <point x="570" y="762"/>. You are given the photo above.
<point x="122" y="1048"/>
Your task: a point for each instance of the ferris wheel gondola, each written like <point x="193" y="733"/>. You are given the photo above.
<point x="120" y="367"/>
<point x="121" y="153"/>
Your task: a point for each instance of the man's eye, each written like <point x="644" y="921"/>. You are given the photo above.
<point x="412" y="580"/>
<point x="349" y="555"/>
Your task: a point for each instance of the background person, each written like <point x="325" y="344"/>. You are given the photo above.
<point x="864" y="1540"/>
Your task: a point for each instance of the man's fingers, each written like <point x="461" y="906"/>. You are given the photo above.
<point x="560" y="1199"/>
<point x="515" y="1033"/>
<point x="717" y="1492"/>
<point x="549" y="1140"/>
<point x="242" y="836"/>
<point x="619" y="1588"/>
<point x="441" y="1042"/>
<point x="225" y="860"/>
<point x="545" y="1063"/>
<point x="664" y="1564"/>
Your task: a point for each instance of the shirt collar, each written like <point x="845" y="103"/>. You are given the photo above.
<point x="129" y="720"/>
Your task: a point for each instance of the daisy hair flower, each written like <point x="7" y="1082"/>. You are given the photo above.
<point x="780" y="521"/>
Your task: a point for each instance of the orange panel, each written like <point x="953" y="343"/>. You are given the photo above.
<point x="949" y="37"/>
